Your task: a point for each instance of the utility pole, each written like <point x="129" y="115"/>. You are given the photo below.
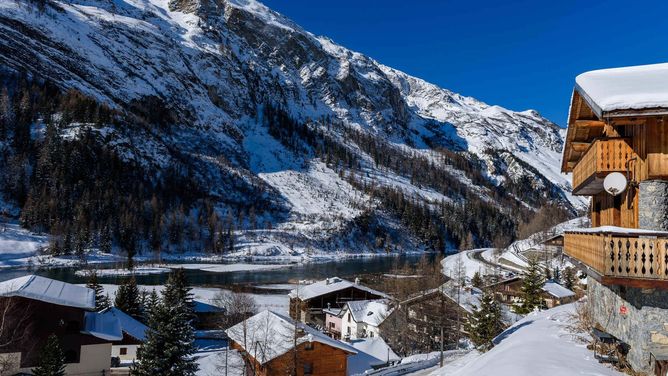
<point x="227" y="351"/>
<point x="441" y="345"/>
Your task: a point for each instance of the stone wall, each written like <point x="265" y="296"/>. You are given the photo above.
<point x="644" y="324"/>
<point x="653" y="205"/>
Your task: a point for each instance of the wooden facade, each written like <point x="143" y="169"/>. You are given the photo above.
<point x="631" y="142"/>
<point x="313" y="358"/>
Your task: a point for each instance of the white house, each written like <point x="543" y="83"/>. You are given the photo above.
<point x="362" y="318"/>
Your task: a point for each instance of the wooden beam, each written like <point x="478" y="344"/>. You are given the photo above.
<point x="589" y="124"/>
<point x="580" y="146"/>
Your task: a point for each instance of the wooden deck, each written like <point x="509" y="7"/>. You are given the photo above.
<point x="621" y="257"/>
<point x="603" y="157"/>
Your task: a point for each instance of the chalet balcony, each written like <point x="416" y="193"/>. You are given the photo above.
<point x="621" y="255"/>
<point x="603" y="157"/>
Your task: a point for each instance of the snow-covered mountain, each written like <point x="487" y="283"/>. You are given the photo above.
<point x="210" y="69"/>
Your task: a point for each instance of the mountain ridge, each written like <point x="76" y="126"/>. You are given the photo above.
<point x="201" y="73"/>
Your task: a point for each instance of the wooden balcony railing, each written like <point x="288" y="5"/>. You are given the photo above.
<point x="602" y="157"/>
<point x="614" y="253"/>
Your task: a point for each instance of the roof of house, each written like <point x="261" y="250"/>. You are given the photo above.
<point x="469" y="298"/>
<point x="372" y="352"/>
<point x="372" y="312"/>
<point x="49" y="291"/>
<point x="129" y="324"/>
<point x="640" y="87"/>
<point x="557" y="290"/>
<point x="202" y="307"/>
<point x="330" y="285"/>
<point x="102" y="326"/>
<point x="269" y="335"/>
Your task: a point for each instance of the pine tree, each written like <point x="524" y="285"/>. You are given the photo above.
<point x="51" y="359"/>
<point x="532" y="288"/>
<point x="476" y="281"/>
<point x="105" y="240"/>
<point x="170" y="339"/>
<point x="556" y="275"/>
<point x="128" y="300"/>
<point x="485" y="322"/>
<point x="569" y="278"/>
<point x="101" y="300"/>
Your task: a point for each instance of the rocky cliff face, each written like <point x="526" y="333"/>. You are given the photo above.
<point x="210" y="67"/>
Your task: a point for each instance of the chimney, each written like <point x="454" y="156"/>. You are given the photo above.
<point x="357" y="281"/>
<point x="327" y="281"/>
<point x="329" y="305"/>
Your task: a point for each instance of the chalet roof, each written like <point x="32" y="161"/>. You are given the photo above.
<point x="102" y="326"/>
<point x="328" y="286"/>
<point x="129" y="324"/>
<point x="269" y="335"/>
<point x="557" y="290"/>
<point x="49" y="291"/>
<point x="635" y="90"/>
<point x="202" y="307"/>
<point x="372" y="352"/>
<point x="371" y="312"/>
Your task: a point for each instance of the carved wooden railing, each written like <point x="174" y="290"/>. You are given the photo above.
<point x="635" y="255"/>
<point x="602" y="157"/>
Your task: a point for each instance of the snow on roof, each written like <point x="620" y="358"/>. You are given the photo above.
<point x="129" y="324"/>
<point x="269" y="335"/>
<point x="469" y="298"/>
<point x="329" y="285"/>
<point x="202" y="307"/>
<point x="372" y="352"/>
<point x="629" y="88"/>
<point x="617" y="230"/>
<point x="49" y="291"/>
<point x="372" y="312"/>
<point x="99" y="325"/>
<point x="557" y="290"/>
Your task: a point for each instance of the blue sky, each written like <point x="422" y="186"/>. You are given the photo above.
<point x="517" y="54"/>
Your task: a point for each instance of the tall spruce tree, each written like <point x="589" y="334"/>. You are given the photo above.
<point x="128" y="299"/>
<point x="476" y="281"/>
<point x="101" y="300"/>
<point x="532" y="288"/>
<point x="569" y="278"/>
<point x="51" y="359"/>
<point x="485" y="322"/>
<point x="170" y="339"/>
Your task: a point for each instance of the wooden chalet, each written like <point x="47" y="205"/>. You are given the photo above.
<point x="36" y="307"/>
<point x="307" y="303"/>
<point x="124" y="351"/>
<point x="618" y="123"/>
<point x="273" y="344"/>
<point x="509" y="291"/>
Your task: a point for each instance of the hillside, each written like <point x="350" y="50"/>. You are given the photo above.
<point x="172" y="126"/>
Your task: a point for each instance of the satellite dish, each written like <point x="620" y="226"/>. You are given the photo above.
<point x="615" y="183"/>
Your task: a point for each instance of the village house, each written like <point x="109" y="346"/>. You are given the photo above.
<point x="307" y="303"/>
<point x="207" y="316"/>
<point x="134" y="335"/>
<point x="39" y="307"/>
<point x="357" y="319"/>
<point x="509" y="291"/>
<point x="273" y="344"/>
<point x="617" y="151"/>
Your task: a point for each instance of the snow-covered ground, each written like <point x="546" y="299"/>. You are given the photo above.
<point x="540" y="344"/>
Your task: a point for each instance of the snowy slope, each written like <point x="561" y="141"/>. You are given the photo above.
<point x="541" y="342"/>
<point x="215" y="64"/>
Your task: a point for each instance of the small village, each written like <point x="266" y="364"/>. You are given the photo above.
<point x="220" y="188"/>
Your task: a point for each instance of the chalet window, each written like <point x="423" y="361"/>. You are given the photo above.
<point x="124" y="351"/>
<point x="349" y="317"/>
<point x="308" y="368"/>
<point x="371" y="334"/>
<point x="309" y="346"/>
<point x="331" y="325"/>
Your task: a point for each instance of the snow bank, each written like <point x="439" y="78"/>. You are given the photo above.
<point x="538" y="344"/>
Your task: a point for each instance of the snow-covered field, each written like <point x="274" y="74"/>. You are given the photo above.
<point x="539" y="344"/>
